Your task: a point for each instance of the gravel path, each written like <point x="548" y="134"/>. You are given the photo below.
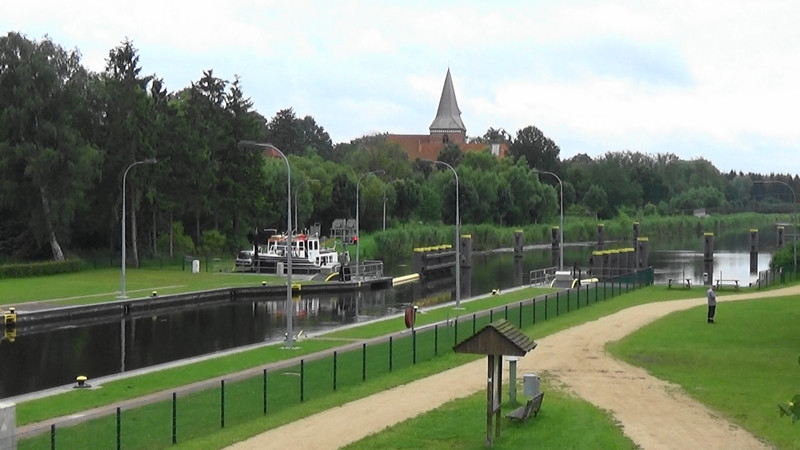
<point x="572" y="358"/>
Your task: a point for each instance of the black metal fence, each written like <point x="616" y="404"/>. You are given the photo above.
<point x="184" y="415"/>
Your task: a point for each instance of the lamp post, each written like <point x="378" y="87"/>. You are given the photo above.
<point x="289" y="237"/>
<point x="561" y="223"/>
<point x="124" y="176"/>
<point x="794" y="207"/>
<point x="296" y="193"/>
<point x="384" y="201"/>
<point x="358" y="224"/>
<point x="458" y="232"/>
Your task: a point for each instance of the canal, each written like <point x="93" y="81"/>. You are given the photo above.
<point x="37" y="361"/>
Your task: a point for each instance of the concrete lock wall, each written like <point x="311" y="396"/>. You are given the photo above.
<point x="8" y="424"/>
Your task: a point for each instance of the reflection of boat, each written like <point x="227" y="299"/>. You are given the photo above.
<point x="309" y="256"/>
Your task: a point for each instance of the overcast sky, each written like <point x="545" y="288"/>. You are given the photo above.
<point x="712" y="79"/>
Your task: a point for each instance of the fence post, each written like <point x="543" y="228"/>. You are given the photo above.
<point x="302" y="380"/>
<point x="364" y="361"/>
<point x="436" y="339"/>
<point x="119" y="428"/>
<point x="390" y="353"/>
<point x="558" y="312"/>
<point x="53" y="437"/>
<point x="505" y="313"/>
<point x="545" y="307"/>
<point x="568" y="291"/>
<point x="519" y="313"/>
<point x="174" y="418"/>
<point x="455" y="331"/>
<point x="578" y="301"/>
<point x="491" y="315"/>
<point x="334" y="366"/>
<point x="533" y="307"/>
<point x="413" y="347"/>
<point x="473" y="323"/>
<point x="264" y="392"/>
<point x="222" y="404"/>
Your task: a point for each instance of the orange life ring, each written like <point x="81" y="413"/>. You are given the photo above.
<point x="410" y="316"/>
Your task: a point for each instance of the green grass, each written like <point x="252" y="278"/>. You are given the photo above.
<point x="103" y="285"/>
<point x="564" y="422"/>
<point x="199" y="414"/>
<point x="287" y="407"/>
<point x="743" y="366"/>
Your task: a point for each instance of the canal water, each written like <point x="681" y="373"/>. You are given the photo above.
<point x="36" y="361"/>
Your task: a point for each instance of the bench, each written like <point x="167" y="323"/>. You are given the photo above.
<point x="524" y="412"/>
<point x="685" y="282"/>
<point x="730" y="283"/>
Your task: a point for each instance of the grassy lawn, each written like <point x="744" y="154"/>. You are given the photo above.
<point x="102" y="285"/>
<point x="199" y="421"/>
<point x="564" y="422"/>
<point x="199" y="418"/>
<point x="720" y="365"/>
<point x="742" y="366"/>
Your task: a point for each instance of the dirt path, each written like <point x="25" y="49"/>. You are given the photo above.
<point x="572" y="358"/>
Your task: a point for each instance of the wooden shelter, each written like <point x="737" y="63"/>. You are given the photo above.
<point x="497" y="339"/>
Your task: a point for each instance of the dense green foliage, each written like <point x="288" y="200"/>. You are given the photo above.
<point x="42" y="268"/>
<point x="68" y="136"/>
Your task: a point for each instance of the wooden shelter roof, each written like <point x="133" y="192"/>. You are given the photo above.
<point x="497" y="338"/>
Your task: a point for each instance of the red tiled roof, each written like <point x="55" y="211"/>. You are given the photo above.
<point x="420" y="146"/>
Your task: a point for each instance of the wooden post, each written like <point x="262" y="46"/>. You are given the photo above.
<point x="489" y="402"/>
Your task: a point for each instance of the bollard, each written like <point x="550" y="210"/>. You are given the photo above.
<point x="512" y="378"/>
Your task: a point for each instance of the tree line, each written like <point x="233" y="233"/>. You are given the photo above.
<point x="68" y="135"/>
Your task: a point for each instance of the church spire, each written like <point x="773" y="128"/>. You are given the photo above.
<point x="448" y="116"/>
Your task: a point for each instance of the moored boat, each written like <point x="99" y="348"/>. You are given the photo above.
<point x="308" y="255"/>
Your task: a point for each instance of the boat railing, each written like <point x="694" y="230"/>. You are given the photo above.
<point x="370" y="269"/>
<point x="542" y="277"/>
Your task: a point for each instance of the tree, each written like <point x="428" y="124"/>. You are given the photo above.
<point x="130" y="136"/>
<point x="451" y="154"/>
<point x="596" y="200"/>
<point x="539" y="150"/>
<point x="47" y="162"/>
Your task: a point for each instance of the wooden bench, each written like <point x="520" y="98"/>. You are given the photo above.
<point x="524" y="412"/>
<point x="730" y="283"/>
<point x="685" y="282"/>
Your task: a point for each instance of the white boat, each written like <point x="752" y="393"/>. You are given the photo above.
<point x="309" y="256"/>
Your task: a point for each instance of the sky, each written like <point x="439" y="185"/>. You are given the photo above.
<point x="705" y="79"/>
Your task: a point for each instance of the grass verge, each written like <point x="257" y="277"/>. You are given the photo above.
<point x="155" y="417"/>
<point x="742" y="366"/>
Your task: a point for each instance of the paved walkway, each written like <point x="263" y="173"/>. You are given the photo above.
<point x="573" y="358"/>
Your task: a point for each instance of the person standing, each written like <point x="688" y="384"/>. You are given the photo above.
<point x="712" y="303"/>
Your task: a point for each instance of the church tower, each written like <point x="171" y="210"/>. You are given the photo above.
<point x="447" y="127"/>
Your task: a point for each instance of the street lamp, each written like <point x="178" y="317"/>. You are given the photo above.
<point x="358" y="224"/>
<point x="384" y="201"/>
<point x="124" y="176"/>
<point x="289" y="237"/>
<point x="561" y="226"/>
<point x="794" y="207"/>
<point x="458" y="233"/>
<point x="296" y="193"/>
